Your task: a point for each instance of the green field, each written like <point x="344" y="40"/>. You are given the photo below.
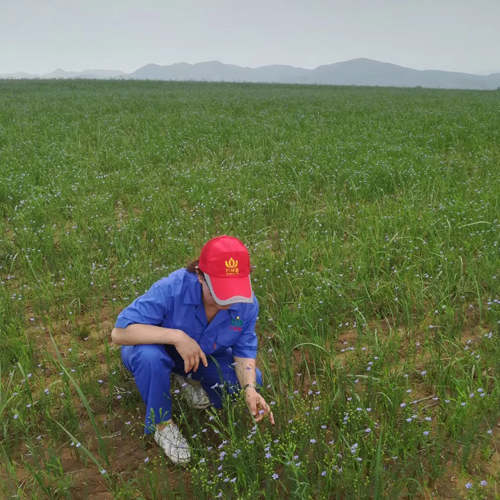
<point x="373" y="220"/>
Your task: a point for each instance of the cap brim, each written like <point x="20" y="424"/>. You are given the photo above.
<point x="226" y="291"/>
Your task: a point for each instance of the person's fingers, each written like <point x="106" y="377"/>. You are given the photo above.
<point x="190" y="363"/>
<point x="263" y="404"/>
<point x="262" y="410"/>
<point x="265" y="409"/>
<point x="196" y="362"/>
<point x="271" y="417"/>
<point x="252" y="405"/>
<point x="203" y="358"/>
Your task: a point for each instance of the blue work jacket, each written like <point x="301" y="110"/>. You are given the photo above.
<point x="176" y="302"/>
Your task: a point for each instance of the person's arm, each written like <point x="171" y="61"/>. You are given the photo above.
<point x="137" y="333"/>
<point x="139" y="323"/>
<point x="144" y="334"/>
<point x="245" y="371"/>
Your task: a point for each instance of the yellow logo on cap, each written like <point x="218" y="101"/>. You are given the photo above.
<point x="232" y="266"/>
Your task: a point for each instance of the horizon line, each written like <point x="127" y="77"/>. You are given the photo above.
<point x="240" y="66"/>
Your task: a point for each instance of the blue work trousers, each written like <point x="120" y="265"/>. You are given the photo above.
<point x="152" y="364"/>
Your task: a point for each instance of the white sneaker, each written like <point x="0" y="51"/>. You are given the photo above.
<point x="192" y="391"/>
<point x="170" y="439"/>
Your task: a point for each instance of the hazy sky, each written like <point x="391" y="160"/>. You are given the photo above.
<point x="39" y="36"/>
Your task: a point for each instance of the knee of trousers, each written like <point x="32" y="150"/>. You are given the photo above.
<point x="150" y="356"/>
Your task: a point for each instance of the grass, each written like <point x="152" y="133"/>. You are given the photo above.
<point x="372" y="217"/>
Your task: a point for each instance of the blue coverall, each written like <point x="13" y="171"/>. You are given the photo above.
<point x="176" y="302"/>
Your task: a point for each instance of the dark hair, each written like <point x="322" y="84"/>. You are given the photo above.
<point x="192" y="267"/>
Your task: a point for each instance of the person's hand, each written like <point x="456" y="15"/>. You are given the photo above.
<point x="257" y="405"/>
<point x="190" y="351"/>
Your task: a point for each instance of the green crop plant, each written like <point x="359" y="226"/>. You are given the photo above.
<point x="372" y="219"/>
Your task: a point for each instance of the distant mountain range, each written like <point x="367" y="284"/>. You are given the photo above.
<point x="366" y="72"/>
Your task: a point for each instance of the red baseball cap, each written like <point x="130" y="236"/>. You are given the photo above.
<point x="225" y="263"/>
